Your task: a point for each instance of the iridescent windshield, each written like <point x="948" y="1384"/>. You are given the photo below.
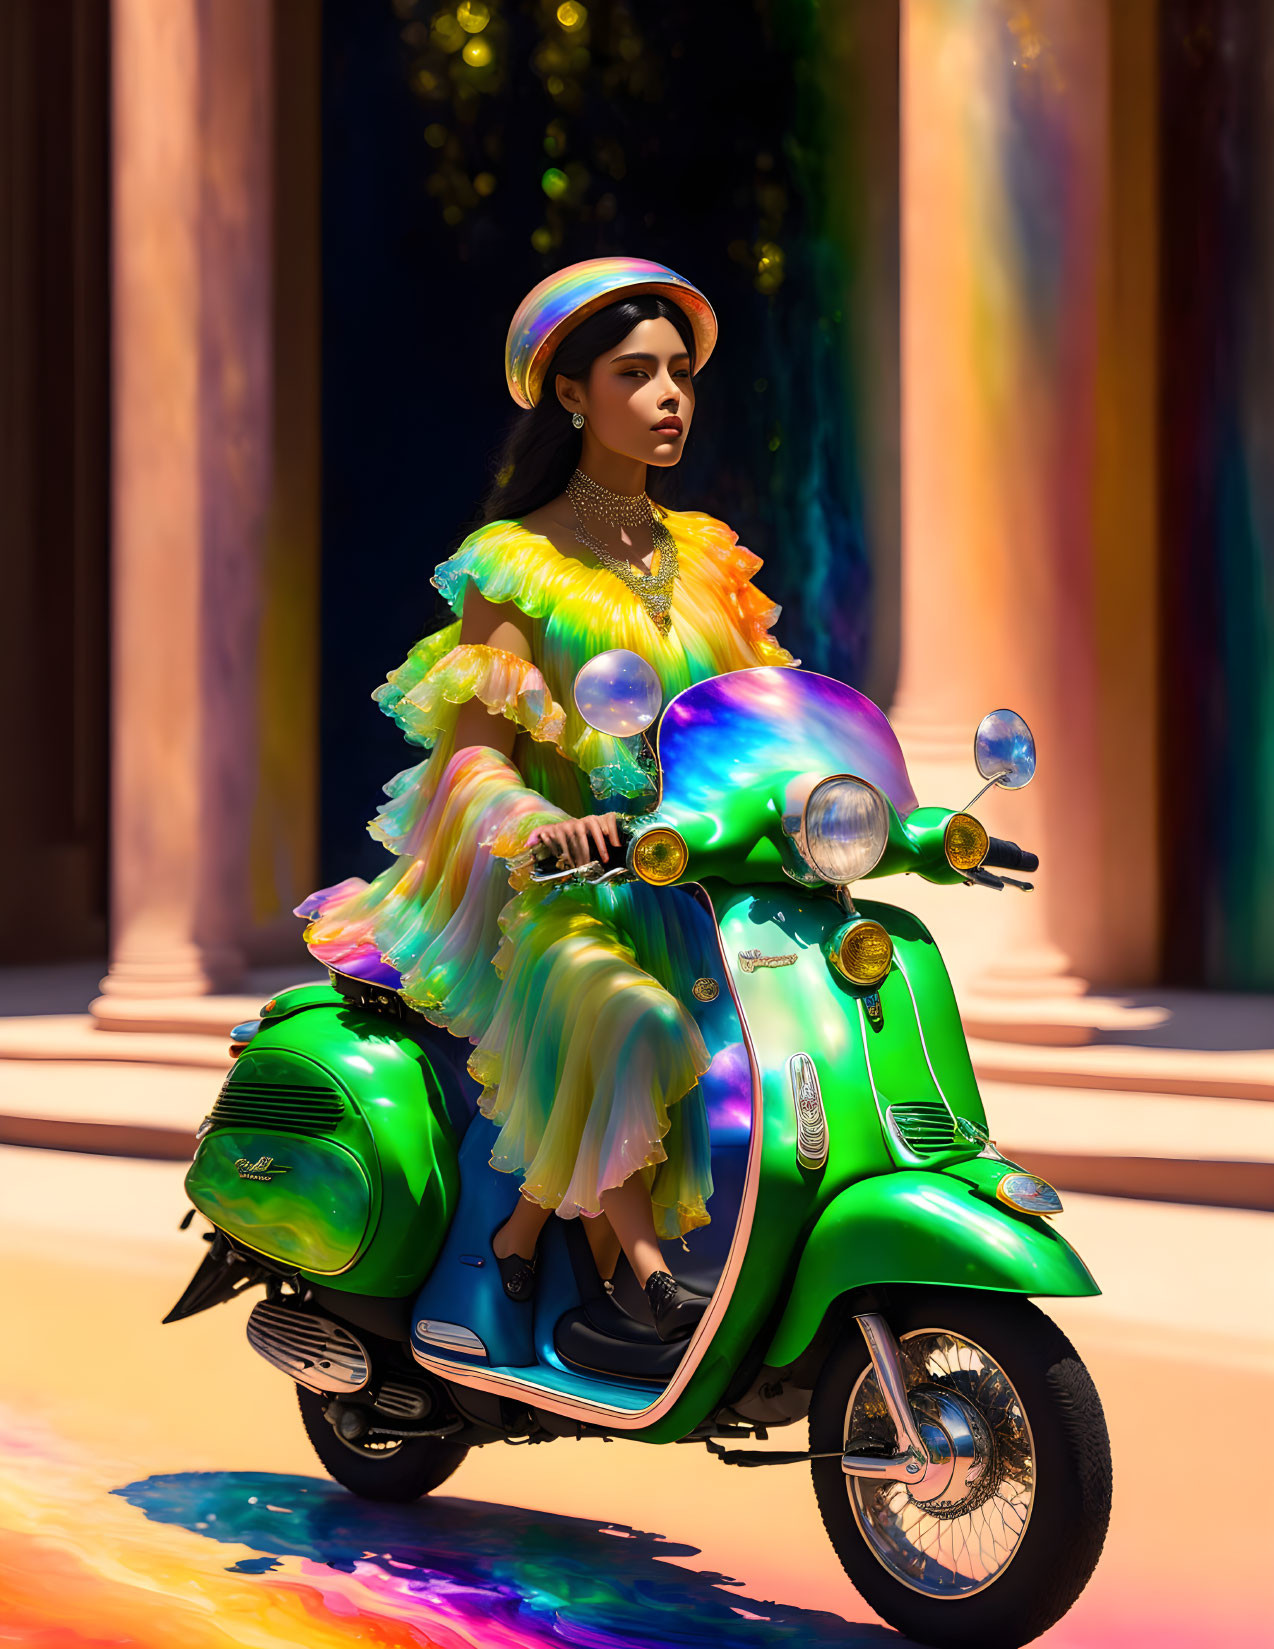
<point x="762" y="727"/>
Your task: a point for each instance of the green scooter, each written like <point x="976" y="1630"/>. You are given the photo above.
<point x="871" y="1255"/>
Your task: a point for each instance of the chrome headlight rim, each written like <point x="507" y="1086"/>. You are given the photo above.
<point x="818" y="795"/>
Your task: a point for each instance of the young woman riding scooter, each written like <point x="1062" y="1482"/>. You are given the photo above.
<point x="573" y="995"/>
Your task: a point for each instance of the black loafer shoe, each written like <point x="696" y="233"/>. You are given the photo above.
<point x="517" y="1274"/>
<point x="675" y="1309"/>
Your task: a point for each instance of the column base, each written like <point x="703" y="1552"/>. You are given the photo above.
<point x="183" y="1016"/>
<point x="1057" y="1019"/>
<point x="180" y="969"/>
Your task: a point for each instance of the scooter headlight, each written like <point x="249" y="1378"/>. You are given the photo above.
<point x="659" y="856"/>
<point x="1028" y="1194"/>
<point x="844" y="829"/>
<point x="862" y="952"/>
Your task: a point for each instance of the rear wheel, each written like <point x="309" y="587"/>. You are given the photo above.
<point x="999" y="1564"/>
<point x="378" y="1468"/>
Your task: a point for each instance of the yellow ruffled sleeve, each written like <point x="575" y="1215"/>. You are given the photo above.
<point x="422" y="694"/>
<point x="508" y="564"/>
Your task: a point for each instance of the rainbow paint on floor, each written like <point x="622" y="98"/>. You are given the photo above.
<point x="209" y="1559"/>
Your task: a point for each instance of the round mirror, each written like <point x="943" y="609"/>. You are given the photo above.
<point x="618" y="693"/>
<point x="1004" y="749"/>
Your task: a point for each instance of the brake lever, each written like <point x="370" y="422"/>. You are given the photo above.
<point x="566" y="875"/>
<point x="1022" y="887"/>
<point x="983" y="878"/>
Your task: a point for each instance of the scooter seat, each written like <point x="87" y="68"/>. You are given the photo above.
<point x="639" y="1355"/>
<point x="600" y="1336"/>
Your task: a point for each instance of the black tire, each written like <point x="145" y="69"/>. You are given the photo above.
<point x="411" y="1467"/>
<point x="1070" y="1509"/>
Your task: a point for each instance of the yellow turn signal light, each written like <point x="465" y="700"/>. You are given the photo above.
<point x="965" y="842"/>
<point x="659" y="856"/>
<point x="864" y="954"/>
<point x="1029" y="1194"/>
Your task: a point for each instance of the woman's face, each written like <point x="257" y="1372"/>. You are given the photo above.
<point x="639" y="397"/>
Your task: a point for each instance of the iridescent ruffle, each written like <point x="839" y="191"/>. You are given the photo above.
<point x="420" y="694"/>
<point x="433" y="913"/>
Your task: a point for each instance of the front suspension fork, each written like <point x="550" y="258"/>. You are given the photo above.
<point x="938" y="1454"/>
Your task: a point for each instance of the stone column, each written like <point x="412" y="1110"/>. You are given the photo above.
<point x="1007" y="474"/>
<point x="191" y="469"/>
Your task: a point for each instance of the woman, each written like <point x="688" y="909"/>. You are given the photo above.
<point x="572" y="994"/>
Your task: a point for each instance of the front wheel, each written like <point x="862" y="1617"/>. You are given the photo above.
<point x="378" y="1468"/>
<point x="998" y="1565"/>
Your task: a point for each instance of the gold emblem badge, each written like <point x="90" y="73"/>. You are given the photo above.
<point x="751" y="960"/>
<point x="707" y="990"/>
<point x="264" y="1168"/>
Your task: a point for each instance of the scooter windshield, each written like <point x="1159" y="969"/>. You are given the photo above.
<point x="755" y="728"/>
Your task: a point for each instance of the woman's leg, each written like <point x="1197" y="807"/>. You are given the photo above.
<point x="674" y="1308"/>
<point x="604" y="1244"/>
<point x="521" y="1231"/>
<point x="628" y="1209"/>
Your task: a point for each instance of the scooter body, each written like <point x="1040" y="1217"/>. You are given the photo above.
<point x="346" y="1166"/>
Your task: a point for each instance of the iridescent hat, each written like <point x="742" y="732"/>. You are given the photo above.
<point x="562" y="300"/>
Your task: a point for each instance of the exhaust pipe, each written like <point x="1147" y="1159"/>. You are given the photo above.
<point x="312" y="1350"/>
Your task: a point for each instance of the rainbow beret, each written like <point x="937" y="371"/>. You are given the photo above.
<point x="562" y="300"/>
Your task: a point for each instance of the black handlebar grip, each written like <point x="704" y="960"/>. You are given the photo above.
<point x="1003" y="855"/>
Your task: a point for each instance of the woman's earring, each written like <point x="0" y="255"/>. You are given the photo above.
<point x="577" y="418"/>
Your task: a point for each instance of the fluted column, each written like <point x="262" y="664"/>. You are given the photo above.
<point x="1015" y="269"/>
<point x="191" y="467"/>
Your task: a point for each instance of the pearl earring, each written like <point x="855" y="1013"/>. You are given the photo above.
<point x="577" y="418"/>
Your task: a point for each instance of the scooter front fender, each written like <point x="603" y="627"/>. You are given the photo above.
<point x="921" y="1229"/>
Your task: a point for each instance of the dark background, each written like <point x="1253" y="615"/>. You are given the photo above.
<point x="695" y="140"/>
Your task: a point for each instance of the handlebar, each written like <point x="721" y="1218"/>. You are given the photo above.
<point x="1001" y="855"/>
<point x="1005" y="855"/>
<point x="545" y="860"/>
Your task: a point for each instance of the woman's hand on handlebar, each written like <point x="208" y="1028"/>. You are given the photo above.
<point x="578" y="841"/>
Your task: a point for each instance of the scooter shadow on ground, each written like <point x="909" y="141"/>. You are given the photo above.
<point x="589" y="1582"/>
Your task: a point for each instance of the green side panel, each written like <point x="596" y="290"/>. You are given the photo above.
<point x="292" y="1199"/>
<point x="393" y="1121"/>
<point x="924" y="1228"/>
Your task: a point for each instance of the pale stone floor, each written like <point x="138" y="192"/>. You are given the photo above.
<point x="1180" y="1345"/>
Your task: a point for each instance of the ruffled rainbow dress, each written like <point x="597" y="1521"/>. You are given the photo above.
<point x="572" y="995"/>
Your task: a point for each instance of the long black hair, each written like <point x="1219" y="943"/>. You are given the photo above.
<point x="543" y="446"/>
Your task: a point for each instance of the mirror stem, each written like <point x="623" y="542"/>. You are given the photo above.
<point x="987" y="786"/>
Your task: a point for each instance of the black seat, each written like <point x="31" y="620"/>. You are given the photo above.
<point x="600" y="1336"/>
<point x="584" y="1346"/>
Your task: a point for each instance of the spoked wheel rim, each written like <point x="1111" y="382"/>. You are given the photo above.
<point x="959" y="1545"/>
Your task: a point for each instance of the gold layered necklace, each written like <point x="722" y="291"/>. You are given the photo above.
<point x="619" y="509"/>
